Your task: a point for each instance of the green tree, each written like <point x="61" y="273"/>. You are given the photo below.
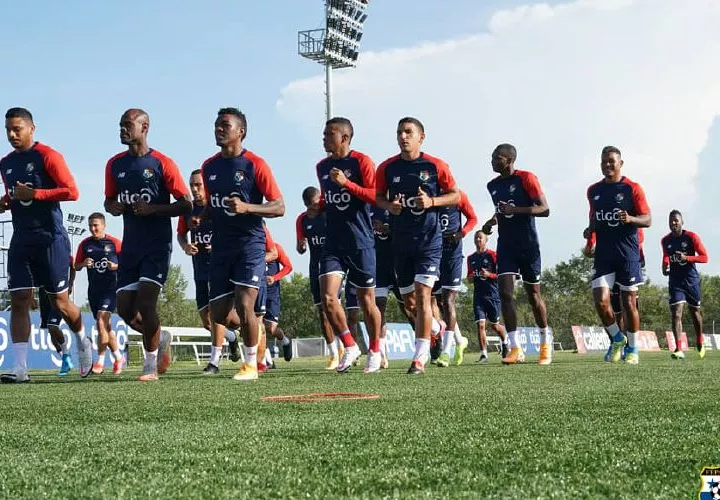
<point x="298" y="315"/>
<point x="173" y="308"/>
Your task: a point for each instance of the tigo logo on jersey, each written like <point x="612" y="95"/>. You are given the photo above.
<point x="396" y="180"/>
<point x="340" y="200"/>
<point x="26" y="203"/>
<point x="318" y="240"/>
<point x="411" y="203"/>
<point x="710" y="483"/>
<point x="612" y="218"/>
<point x="101" y="265"/>
<point x="148" y="173"/>
<point x="217" y="202"/>
<point x="128" y="198"/>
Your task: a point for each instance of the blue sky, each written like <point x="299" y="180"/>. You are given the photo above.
<point x="78" y="64"/>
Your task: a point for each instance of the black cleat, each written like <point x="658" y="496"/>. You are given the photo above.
<point x="505" y="351"/>
<point x="13" y="378"/>
<point x="416" y="368"/>
<point x="435" y="350"/>
<point x="287" y="351"/>
<point x="211" y="369"/>
<point x="235" y="350"/>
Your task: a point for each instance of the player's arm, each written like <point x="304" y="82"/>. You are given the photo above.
<point x="273" y="207"/>
<point x="59" y="172"/>
<point x="285" y="264"/>
<point x="469" y="271"/>
<point x="113" y="266"/>
<point x="643" y="217"/>
<point x="539" y="207"/>
<point x="366" y="192"/>
<point x="381" y="192"/>
<point x="701" y="255"/>
<point x="71" y="283"/>
<point x="5" y="200"/>
<point x="468" y="211"/>
<point x="300" y="237"/>
<point x="112" y="205"/>
<point x="271" y="252"/>
<point x="81" y="260"/>
<point x="182" y="237"/>
<point x="446" y="183"/>
<point x="487" y="227"/>
<point x="665" y="258"/>
<point x="487" y="274"/>
<point x="589" y="249"/>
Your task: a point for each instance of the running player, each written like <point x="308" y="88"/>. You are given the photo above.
<point x="413" y="186"/>
<point x="198" y="247"/>
<point x="347" y="184"/>
<point x="310" y="231"/>
<point x="99" y="254"/>
<point x="276" y="270"/>
<point x="450" y="281"/>
<point x="681" y="251"/>
<point x="482" y="273"/>
<point x="236" y="182"/>
<point x="617" y="209"/>
<point x="50" y="320"/>
<point x="518" y="200"/>
<point x="36" y="180"/>
<point x="138" y="185"/>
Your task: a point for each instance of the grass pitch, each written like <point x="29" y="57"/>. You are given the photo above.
<point x="580" y="428"/>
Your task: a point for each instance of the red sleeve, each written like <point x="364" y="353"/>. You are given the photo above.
<point x="446" y="181"/>
<point x="265" y="181"/>
<point x="269" y="243"/>
<point x="59" y="172"/>
<point x="172" y="177"/>
<point x="380" y="180"/>
<point x="531" y="184"/>
<point x="117" y="243"/>
<point x="493" y="256"/>
<point x="80" y="253"/>
<point x="111" y="190"/>
<point x="639" y="201"/>
<point x="469" y="269"/>
<point x="469" y="212"/>
<point x="205" y="183"/>
<point x="182" y="226"/>
<point x="366" y="192"/>
<point x="285" y="264"/>
<point x="702" y="255"/>
<point x="665" y="257"/>
<point x="299" y="230"/>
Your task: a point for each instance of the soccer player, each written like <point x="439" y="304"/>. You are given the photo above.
<point x="260" y="308"/>
<point x="347" y="186"/>
<point x="482" y="273"/>
<point x="199" y="246"/>
<point x="450" y="282"/>
<point x="50" y="320"/>
<point x="681" y="251"/>
<point x="138" y="185"/>
<point x="310" y="234"/>
<point x="36" y="180"/>
<point x="617" y="209"/>
<point x="99" y="254"/>
<point x="236" y="182"/>
<point x="518" y="200"/>
<point x="276" y="270"/>
<point x="413" y="186"/>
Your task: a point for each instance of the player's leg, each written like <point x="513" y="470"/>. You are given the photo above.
<point x="425" y="266"/>
<point x="217" y="331"/>
<point x="381" y="300"/>
<point x="461" y="342"/>
<point x="20" y="301"/>
<point x="506" y="288"/>
<point x="482" y="339"/>
<point x="441" y="339"/>
<point x="352" y="311"/>
<point x="272" y="323"/>
<point x="245" y="300"/>
<point x="629" y="276"/>
<point x="693" y="298"/>
<point x="530" y="269"/>
<point x="155" y="342"/>
<point x="676" y="312"/>
<point x="362" y="270"/>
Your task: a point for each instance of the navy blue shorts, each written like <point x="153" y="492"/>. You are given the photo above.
<point x="101" y="302"/>
<point x="261" y="300"/>
<point x="272" y="304"/>
<point x="385" y="279"/>
<point x="681" y="293"/>
<point x="451" y="269"/>
<point x="487" y="309"/>
<point x="351" y="300"/>
<point x="151" y="267"/>
<point x="202" y="294"/>
<point x="48" y="315"/>
<point x="358" y="265"/>
<point x="421" y="265"/>
<point x="627" y="275"/>
<point x="44" y="263"/>
<point x="242" y="265"/>
<point x="525" y="262"/>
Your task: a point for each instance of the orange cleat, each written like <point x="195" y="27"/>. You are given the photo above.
<point x="97" y="369"/>
<point x="247" y="372"/>
<point x="149" y="377"/>
<point x="516" y="356"/>
<point x="545" y="355"/>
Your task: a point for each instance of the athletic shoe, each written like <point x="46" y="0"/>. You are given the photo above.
<point x="545" y="355"/>
<point x="435" y="348"/>
<point x="444" y="360"/>
<point x="164" y="352"/>
<point x="350" y="356"/>
<point x="271" y="366"/>
<point x="416" y="368"/>
<point x="608" y="354"/>
<point x="333" y="362"/>
<point x="516" y="355"/>
<point x="384" y="362"/>
<point x="632" y="358"/>
<point x="460" y="351"/>
<point x="118" y="365"/>
<point x="17" y="377"/>
<point x="66" y="366"/>
<point x="261" y="367"/>
<point x="677" y="354"/>
<point x="617" y="350"/>
<point x="287" y="352"/>
<point x="98" y="369"/>
<point x="211" y="369"/>
<point x="85" y="355"/>
<point x="234" y="347"/>
<point x="148" y="376"/>
<point x="373" y="362"/>
<point x="482" y="359"/>
<point x="341" y="350"/>
<point x="701" y="351"/>
<point x="247" y="372"/>
<point x="627" y="350"/>
<point x="504" y="351"/>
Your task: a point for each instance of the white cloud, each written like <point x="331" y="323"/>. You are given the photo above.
<point x="559" y="82"/>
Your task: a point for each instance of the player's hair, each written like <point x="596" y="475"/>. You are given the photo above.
<point x="237" y="114"/>
<point x="197" y="171"/>
<point x="96" y="215"/>
<point x="508" y="150"/>
<point x="343" y="122"/>
<point x="479" y="231"/>
<point x="23" y="113"/>
<point x="675" y="212"/>
<point x="610" y="150"/>
<point x="413" y="121"/>
<point x="309" y="193"/>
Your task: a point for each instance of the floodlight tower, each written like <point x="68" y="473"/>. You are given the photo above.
<point x="337" y="45"/>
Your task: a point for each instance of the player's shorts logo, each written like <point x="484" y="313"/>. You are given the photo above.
<point x="710" y="483"/>
<point x="148" y="174"/>
<point x="239" y="177"/>
<point x="341" y="199"/>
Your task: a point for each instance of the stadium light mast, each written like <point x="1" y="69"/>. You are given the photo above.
<point x="337" y="45"/>
<point x="73" y="231"/>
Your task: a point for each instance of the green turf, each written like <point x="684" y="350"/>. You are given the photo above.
<point x="580" y="428"/>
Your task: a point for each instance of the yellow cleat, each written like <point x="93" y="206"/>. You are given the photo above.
<point x="545" y="355"/>
<point x="333" y="362"/>
<point x="516" y="356"/>
<point x="701" y="351"/>
<point x="247" y="372"/>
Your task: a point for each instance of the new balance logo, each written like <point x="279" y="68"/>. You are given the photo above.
<point x="255" y="279"/>
<point x="369" y="280"/>
<point x="9" y="170"/>
<point x="61" y="284"/>
<point x="597" y="197"/>
<point x="213" y="177"/>
<point x="121" y="175"/>
<point x="396" y="180"/>
<point x="493" y="193"/>
<point x="309" y="227"/>
<point x="432" y="269"/>
<point x="159" y="276"/>
<point x="325" y="177"/>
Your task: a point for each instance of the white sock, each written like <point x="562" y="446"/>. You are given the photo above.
<point x="513" y="338"/>
<point x="632" y="339"/>
<point x="117" y="355"/>
<point x="21" y="354"/>
<point x="338" y="343"/>
<point x="435" y="327"/>
<point x="484" y="352"/>
<point x="458" y="333"/>
<point x="612" y="330"/>
<point x="422" y="350"/>
<point x="64" y="346"/>
<point x="505" y="341"/>
<point x="230" y="335"/>
<point x="448" y="341"/>
<point x="268" y="357"/>
<point x="545" y="336"/>
<point x="101" y="359"/>
<point x="333" y="348"/>
<point x="383" y="345"/>
<point x="251" y="355"/>
<point x="151" y="361"/>
<point x="285" y="340"/>
<point x="215" y="353"/>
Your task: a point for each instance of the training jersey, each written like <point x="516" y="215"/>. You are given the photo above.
<point x="476" y="262"/>
<point x="201" y="236"/>
<point x="153" y="178"/>
<point x="102" y="251"/>
<point x="348" y="207"/>
<point x="521" y="189"/>
<point x="45" y="170"/>
<point x="313" y="230"/>
<point x="615" y="241"/>
<point x="280" y="267"/>
<point x="415" y="228"/>
<point x="688" y="243"/>
<point x="450" y="221"/>
<point x="248" y="177"/>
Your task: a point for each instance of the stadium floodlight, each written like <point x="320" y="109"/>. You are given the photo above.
<point x="76" y="231"/>
<point x="75" y="218"/>
<point x="338" y="44"/>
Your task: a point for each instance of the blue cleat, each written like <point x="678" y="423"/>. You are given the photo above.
<point x="66" y="367"/>
<point x="608" y="354"/>
<point x="617" y="349"/>
<point x="626" y="351"/>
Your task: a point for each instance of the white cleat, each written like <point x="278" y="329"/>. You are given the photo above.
<point x="17" y="377"/>
<point x="164" y="352"/>
<point x="374" y="362"/>
<point x="85" y="355"/>
<point x="349" y="357"/>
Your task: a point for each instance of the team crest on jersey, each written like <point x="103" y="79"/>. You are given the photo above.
<point x="710" y="483"/>
<point x="347" y="173"/>
<point x="424" y="175"/>
<point x="108" y="248"/>
<point x="148" y="173"/>
<point x="239" y="177"/>
<point x="619" y="197"/>
<point x="29" y="167"/>
<point x="512" y="188"/>
<point x="684" y="244"/>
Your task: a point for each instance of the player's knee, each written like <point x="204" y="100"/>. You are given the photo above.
<point x="329" y="301"/>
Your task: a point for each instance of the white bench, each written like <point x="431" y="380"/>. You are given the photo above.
<point x="199" y="339"/>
